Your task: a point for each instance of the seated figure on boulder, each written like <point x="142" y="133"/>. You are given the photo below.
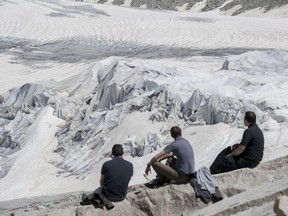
<point x="180" y="169"/>
<point x="248" y="153"/>
<point x="115" y="177"/>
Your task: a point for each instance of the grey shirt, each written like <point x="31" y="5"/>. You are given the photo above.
<point x="183" y="150"/>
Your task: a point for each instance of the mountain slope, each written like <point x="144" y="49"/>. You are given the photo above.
<point x="230" y="7"/>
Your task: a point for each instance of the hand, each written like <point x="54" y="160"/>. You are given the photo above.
<point x="148" y="169"/>
<point x="234" y="147"/>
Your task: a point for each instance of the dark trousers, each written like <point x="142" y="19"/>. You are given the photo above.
<point x="224" y="163"/>
<point x="98" y="197"/>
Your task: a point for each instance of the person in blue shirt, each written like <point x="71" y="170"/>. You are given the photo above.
<point x="180" y="165"/>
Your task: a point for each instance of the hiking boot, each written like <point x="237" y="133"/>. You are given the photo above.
<point x="84" y="197"/>
<point x="85" y="200"/>
<point x="109" y="205"/>
<point x="165" y="181"/>
<point x="97" y="203"/>
<point x="157" y="183"/>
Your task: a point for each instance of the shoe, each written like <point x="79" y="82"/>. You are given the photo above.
<point x="85" y="197"/>
<point x="97" y="203"/>
<point x="109" y="205"/>
<point x="85" y="200"/>
<point x="157" y="183"/>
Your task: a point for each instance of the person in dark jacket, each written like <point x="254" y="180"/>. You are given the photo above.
<point x="248" y="153"/>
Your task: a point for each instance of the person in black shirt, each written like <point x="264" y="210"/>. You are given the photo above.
<point x="115" y="175"/>
<point x="114" y="181"/>
<point x="248" y="153"/>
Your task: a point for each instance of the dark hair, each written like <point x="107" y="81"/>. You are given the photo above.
<point x="117" y="150"/>
<point x="250" y="117"/>
<point x="175" y="131"/>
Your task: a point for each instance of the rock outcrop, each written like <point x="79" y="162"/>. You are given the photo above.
<point x="245" y="192"/>
<point x="199" y="5"/>
<point x="281" y="206"/>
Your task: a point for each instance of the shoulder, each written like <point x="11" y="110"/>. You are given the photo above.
<point x="253" y="128"/>
<point x="107" y="163"/>
<point x="182" y="140"/>
<point x="106" y="166"/>
<point x="247" y="133"/>
<point x="125" y="162"/>
<point x="178" y="139"/>
<point x="171" y="145"/>
<point x="129" y="163"/>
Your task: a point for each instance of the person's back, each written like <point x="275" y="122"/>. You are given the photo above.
<point x="118" y="173"/>
<point x="184" y="153"/>
<point x="253" y="139"/>
<point x="114" y="181"/>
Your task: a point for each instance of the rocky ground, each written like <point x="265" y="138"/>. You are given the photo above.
<point x="222" y="5"/>
<point x="245" y="192"/>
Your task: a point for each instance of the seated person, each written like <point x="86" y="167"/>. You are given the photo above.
<point x="248" y="153"/>
<point x="115" y="177"/>
<point x="180" y="169"/>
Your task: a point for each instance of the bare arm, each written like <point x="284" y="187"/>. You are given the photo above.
<point x="102" y="180"/>
<point x="165" y="156"/>
<point x="239" y="150"/>
<point x="160" y="156"/>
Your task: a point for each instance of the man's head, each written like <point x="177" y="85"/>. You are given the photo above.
<point x="249" y="118"/>
<point x="117" y="150"/>
<point x="175" y="132"/>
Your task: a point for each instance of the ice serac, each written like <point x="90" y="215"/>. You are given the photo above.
<point x="95" y="102"/>
<point x="211" y="109"/>
<point x="146" y="146"/>
<point x="120" y="89"/>
<point x="268" y="64"/>
<point x="263" y="62"/>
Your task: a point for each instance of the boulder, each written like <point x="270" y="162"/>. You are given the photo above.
<point x="281" y="206"/>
